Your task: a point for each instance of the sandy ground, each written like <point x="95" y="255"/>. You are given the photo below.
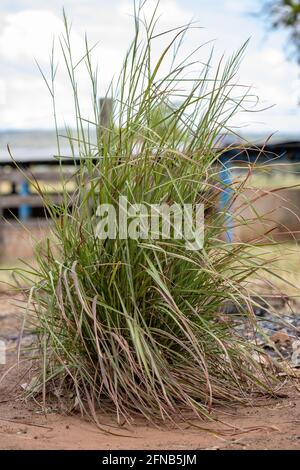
<point x="270" y="424"/>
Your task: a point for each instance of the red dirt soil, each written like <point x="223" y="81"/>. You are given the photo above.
<point x="269" y="424"/>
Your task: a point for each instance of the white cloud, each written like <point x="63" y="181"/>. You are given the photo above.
<point x="275" y="79"/>
<point x="29" y="34"/>
<point x="27" y="29"/>
<point x="2" y="92"/>
<point x="170" y="12"/>
<point x="238" y="6"/>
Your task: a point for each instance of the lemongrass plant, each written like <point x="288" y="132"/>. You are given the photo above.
<point x="135" y="325"/>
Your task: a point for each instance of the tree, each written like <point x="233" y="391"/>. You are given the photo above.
<point x="285" y="14"/>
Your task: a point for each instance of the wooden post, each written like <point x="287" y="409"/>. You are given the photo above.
<point x="106" y="107"/>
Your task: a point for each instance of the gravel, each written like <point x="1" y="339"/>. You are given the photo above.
<point x="278" y="331"/>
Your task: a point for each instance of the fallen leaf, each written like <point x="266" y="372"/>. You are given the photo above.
<point x="281" y="337"/>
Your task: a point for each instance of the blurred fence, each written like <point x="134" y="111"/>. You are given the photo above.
<point x="19" y="198"/>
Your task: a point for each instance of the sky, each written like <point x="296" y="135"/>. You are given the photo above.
<point x="27" y="28"/>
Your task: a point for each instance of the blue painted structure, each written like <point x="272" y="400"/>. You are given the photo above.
<point x="225" y="197"/>
<point x="24" y="210"/>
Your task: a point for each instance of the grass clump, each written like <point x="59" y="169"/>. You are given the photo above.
<point x="135" y="325"/>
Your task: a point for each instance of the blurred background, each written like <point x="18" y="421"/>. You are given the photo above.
<point x="27" y="31"/>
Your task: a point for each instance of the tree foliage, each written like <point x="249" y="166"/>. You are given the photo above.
<point x="285" y="14"/>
